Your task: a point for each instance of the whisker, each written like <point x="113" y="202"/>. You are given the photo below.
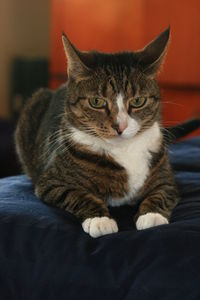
<point x="174" y="103"/>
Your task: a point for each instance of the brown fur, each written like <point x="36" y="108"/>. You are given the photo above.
<point x="73" y="177"/>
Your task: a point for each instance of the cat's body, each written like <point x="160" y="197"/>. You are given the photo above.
<point x="84" y="158"/>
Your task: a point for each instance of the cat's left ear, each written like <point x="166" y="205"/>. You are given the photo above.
<point x="76" y="60"/>
<point x="152" y="56"/>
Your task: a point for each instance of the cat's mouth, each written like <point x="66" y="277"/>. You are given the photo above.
<point x="117" y="139"/>
<point x="128" y="133"/>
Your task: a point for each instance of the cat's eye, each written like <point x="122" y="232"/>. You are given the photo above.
<point x="138" y="102"/>
<point x="97" y="102"/>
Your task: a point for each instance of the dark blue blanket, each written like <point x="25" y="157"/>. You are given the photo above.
<point x="44" y="253"/>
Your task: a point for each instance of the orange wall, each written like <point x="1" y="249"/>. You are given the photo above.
<point x="183" y="60"/>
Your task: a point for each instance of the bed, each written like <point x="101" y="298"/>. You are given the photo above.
<point x="44" y="253"/>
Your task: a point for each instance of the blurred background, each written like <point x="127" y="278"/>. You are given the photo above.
<point x="31" y="53"/>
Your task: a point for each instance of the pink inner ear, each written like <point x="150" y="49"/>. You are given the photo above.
<point x="154" y="53"/>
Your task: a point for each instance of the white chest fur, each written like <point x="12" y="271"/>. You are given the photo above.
<point x="133" y="154"/>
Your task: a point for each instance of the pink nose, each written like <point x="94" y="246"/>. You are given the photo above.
<point x="119" y="130"/>
<point x="120" y="127"/>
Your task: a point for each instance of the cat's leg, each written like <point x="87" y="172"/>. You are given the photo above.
<point x="91" y="211"/>
<point x="161" y="198"/>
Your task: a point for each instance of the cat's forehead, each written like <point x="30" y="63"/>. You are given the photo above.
<point x="116" y="59"/>
<point x="112" y="74"/>
<point x="120" y="79"/>
<point x="116" y="65"/>
<point x="118" y="83"/>
<point x="111" y="82"/>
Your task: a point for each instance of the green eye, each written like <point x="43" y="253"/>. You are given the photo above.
<point x="138" y="102"/>
<point x="97" y="102"/>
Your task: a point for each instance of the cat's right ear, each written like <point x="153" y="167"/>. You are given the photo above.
<point x="75" y="59"/>
<point x="152" y="56"/>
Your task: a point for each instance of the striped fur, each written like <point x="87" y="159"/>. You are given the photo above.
<point x="83" y="159"/>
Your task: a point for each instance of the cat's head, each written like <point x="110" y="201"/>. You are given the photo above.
<point x="114" y="95"/>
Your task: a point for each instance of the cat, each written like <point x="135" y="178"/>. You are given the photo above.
<point x="173" y="133"/>
<point x="97" y="141"/>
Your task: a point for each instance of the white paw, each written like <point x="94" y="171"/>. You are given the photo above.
<point x="150" y="220"/>
<point x="99" y="226"/>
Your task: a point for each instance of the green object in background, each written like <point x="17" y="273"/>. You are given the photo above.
<point x="27" y="75"/>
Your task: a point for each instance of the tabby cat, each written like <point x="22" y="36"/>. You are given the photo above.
<point x="97" y="141"/>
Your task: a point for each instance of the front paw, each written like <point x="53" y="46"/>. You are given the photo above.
<point x="150" y="220"/>
<point x="99" y="226"/>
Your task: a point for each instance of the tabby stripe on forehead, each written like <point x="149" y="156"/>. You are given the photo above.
<point x="112" y="85"/>
<point x="133" y="89"/>
<point x="98" y="160"/>
<point x="125" y="85"/>
<point x="104" y="89"/>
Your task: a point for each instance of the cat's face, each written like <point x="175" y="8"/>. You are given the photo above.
<point x="114" y="105"/>
<point x="114" y="95"/>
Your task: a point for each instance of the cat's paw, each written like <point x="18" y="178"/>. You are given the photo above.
<point x="150" y="220"/>
<point x="99" y="226"/>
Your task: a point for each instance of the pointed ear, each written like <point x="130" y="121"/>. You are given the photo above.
<point x="152" y="56"/>
<point x="76" y="66"/>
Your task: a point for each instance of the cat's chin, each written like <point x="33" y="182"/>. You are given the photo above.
<point x="120" y="138"/>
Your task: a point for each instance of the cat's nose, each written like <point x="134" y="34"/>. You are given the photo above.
<point x="119" y="127"/>
<point x="119" y="130"/>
